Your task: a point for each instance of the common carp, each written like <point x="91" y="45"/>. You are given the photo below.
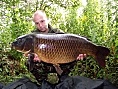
<point x="60" y="48"/>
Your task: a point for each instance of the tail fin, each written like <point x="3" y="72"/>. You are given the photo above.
<point x="101" y="55"/>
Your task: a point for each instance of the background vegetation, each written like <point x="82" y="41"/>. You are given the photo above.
<point x="95" y="19"/>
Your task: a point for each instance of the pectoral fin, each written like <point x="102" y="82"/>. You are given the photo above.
<point x="58" y="69"/>
<point x="31" y="62"/>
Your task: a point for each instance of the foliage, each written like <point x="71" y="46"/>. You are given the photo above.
<point x="97" y="20"/>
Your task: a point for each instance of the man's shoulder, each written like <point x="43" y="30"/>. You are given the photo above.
<point x="35" y="31"/>
<point x="56" y="30"/>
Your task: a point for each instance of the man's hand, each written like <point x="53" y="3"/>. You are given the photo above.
<point x="81" y="56"/>
<point x="36" y="58"/>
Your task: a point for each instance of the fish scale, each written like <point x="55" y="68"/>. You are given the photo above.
<point x="59" y="51"/>
<point x="60" y="48"/>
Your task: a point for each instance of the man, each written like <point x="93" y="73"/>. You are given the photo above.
<point x="41" y="69"/>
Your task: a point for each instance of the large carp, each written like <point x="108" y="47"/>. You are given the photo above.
<point x="60" y="48"/>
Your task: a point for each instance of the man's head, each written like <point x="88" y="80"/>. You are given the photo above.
<point x="40" y="20"/>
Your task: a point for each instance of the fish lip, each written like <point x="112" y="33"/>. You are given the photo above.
<point x="12" y="45"/>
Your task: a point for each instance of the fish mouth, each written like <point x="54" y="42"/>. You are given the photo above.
<point x="13" y="46"/>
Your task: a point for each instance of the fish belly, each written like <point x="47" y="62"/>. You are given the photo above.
<point x="58" y="51"/>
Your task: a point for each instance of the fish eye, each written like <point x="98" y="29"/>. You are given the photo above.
<point x="19" y="40"/>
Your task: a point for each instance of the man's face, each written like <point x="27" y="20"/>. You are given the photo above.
<point x="41" y="22"/>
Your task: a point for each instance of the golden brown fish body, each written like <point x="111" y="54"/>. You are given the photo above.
<point x="64" y="48"/>
<point x="56" y="50"/>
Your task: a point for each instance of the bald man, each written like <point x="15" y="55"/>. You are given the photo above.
<point x="42" y="23"/>
<point x="42" y="69"/>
